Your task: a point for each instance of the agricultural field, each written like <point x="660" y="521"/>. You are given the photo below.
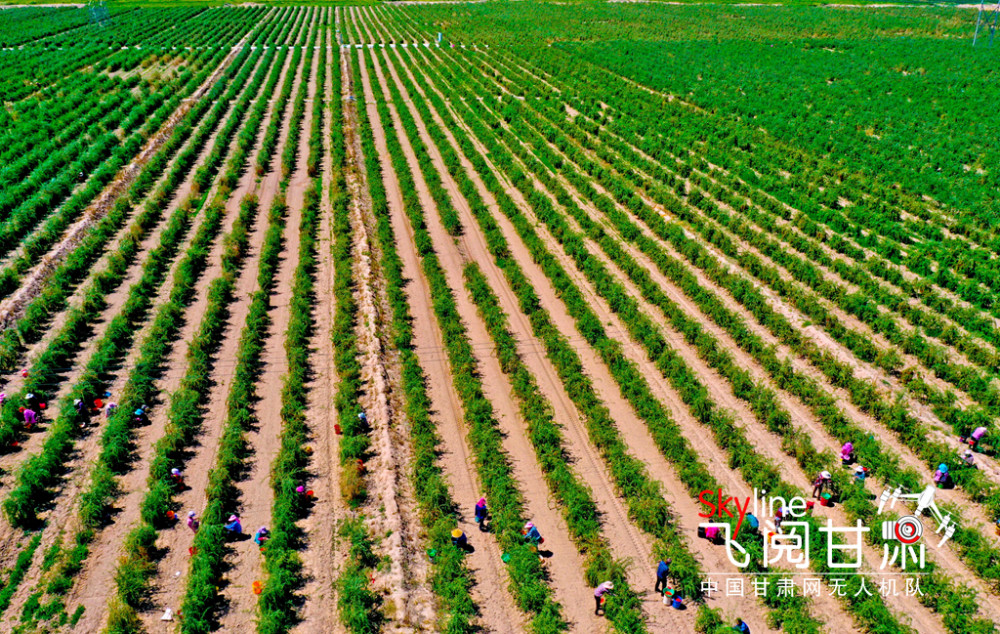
<point x="621" y="269"/>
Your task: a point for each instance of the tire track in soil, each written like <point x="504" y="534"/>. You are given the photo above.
<point x="63" y="513"/>
<point x="642" y="439"/>
<point x="99" y="569"/>
<point x="169" y="587"/>
<point x="498" y="611"/>
<point x="320" y="557"/>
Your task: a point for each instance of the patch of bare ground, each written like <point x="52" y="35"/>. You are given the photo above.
<point x="497" y="609"/>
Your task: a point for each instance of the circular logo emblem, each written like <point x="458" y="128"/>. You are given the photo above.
<point x="909" y="529"/>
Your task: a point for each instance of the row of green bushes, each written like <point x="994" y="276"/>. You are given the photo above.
<point x="208" y="565"/>
<point x="359" y="605"/>
<point x="270" y="142"/>
<point x="78" y="264"/>
<point x="202" y="599"/>
<point x="761" y="399"/>
<point x="185" y="415"/>
<point x="975" y="548"/>
<point x="528" y="583"/>
<point x="43" y="470"/>
<point x="665" y="431"/>
<point x="578" y="506"/>
<point x="758" y="471"/>
<point x="138" y="565"/>
<point x="282" y="561"/>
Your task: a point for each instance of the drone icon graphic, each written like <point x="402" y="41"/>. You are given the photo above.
<point x="925" y="502"/>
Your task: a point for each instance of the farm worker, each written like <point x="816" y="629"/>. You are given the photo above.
<point x="845" y="453"/>
<point x="481" y="512"/>
<point x="78" y="404"/>
<point x="752" y="522"/>
<point x="531" y="533"/>
<point x="363" y="418"/>
<point x="110" y="410"/>
<point x="778" y="518"/>
<point x="662" y="570"/>
<point x="820" y="483"/>
<point x="29" y="418"/>
<point x="741" y="627"/>
<point x="24" y="373"/>
<point x="941" y="475"/>
<point x="859" y="474"/>
<point x="458" y="538"/>
<point x="192" y="522"/>
<point x="98" y="404"/>
<point x="176" y="476"/>
<point x="261" y="535"/>
<point x="234" y="525"/>
<point x="3" y="397"/>
<point x="712" y="534"/>
<point x="599" y="593"/>
<point x="301" y="490"/>
<point x="968" y="458"/>
<point x="977" y="434"/>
